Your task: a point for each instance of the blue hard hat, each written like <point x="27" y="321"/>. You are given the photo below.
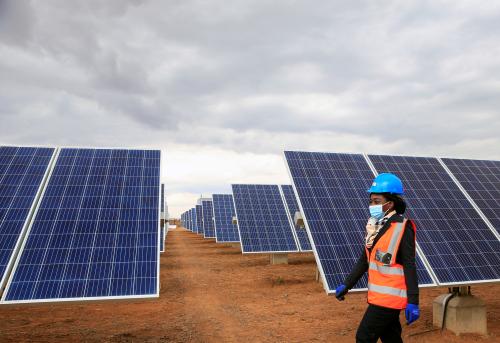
<point x="386" y="183"/>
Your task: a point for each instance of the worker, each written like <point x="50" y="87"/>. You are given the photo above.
<point x="389" y="257"/>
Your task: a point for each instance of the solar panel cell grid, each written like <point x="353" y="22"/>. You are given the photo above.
<point x="208" y="223"/>
<point x="96" y="232"/>
<point x="332" y="193"/>
<point x="262" y="219"/>
<point x="22" y="170"/>
<point x="481" y="181"/>
<point x="456" y="241"/>
<point x="199" y="219"/>
<point x="293" y="207"/>
<point x="224" y="212"/>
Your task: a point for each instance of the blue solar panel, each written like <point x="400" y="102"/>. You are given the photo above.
<point x="22" y="171"/>
<point x="194" y="220"/>
<point x="456" y="241"/>
<point x="225" y="230"/>
<point x="208" y="222"/>
<point x="262" y="219"/>
<point x="96" y="231"/>
<point x="199" y="219"/>
<point x="184" y="220"/>
<point x="292" y="207"/>
<point x="481" y="181"/>
<point x="190" y="220"/>
<point x="331" y="191"/>
<point x="194" y="225"/>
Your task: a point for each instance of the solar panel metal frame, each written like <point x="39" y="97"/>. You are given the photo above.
<point x="462" y="190"/>
<point x="31" y="213"/>
<point x="55" y="300"/>
<point x="291" y="219"/>
<point x="263" y="252"/>
<point x="313" y="245"/>
<point x="215" y="219"/>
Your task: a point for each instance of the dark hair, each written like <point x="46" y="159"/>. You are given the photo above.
<point x="399" y="203"/>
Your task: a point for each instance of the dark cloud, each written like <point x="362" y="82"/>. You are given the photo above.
<point x="408" y="76"/>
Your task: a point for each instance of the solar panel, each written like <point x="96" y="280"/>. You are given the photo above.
<point x="194" y="220"/>
<point x="332" y="195"/>
<point x="22" y="171"/>
<point x="208" y="221"/>
<point x="190" y="220"/>
<point x="481" y="180"/>
<point x="184" y="220"/>
<point x="262" y="219"/>
<point x="191" y="226"/>
<point x="225" y="230"/>
<point x="199" y="219"/>
<point x="458" y="244"/>
<point x="292" y="207"/>
<point x="95" y="234"/>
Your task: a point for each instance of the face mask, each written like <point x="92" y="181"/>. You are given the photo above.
<point x="377" y="212"/>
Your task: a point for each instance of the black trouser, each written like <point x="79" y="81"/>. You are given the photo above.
<point x="379" y="322"/>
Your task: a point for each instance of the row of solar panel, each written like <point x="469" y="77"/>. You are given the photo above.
<point x="455" y="203"/>
<point x="79" y="224"/>
<point x="265" y="219"/>
<point x="200" y="219"/>
<point x="212" y="217"/>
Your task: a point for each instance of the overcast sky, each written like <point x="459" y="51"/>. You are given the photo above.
<point x="223" y="87"/>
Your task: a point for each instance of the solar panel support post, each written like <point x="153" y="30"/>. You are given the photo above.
<point x="278" y="258"/>
<point x="461" y="313"/>
<point x="233" y="245"/>
<point x="318" y="276"/>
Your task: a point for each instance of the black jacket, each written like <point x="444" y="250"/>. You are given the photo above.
<point x="405" y="257"/>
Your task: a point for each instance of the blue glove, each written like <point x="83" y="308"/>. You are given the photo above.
<point x="340" y="291"/>
<point x="412" y="313"/>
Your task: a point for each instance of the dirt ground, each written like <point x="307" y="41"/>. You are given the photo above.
<point x="212" y="293"/>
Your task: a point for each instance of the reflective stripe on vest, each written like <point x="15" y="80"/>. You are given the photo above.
<point x="395" y="240"/>
<point x="387" y="290"/>
<point x="386" y="270"/>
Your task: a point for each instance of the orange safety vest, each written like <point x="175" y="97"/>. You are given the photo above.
<point x="386" y="279"/>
